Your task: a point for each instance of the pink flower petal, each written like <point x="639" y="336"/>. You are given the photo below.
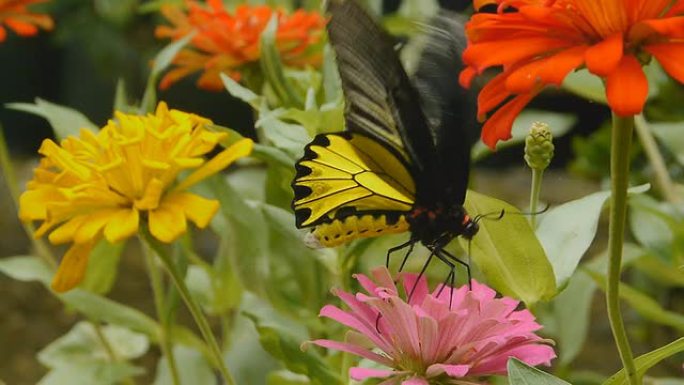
<point x="450" y="370"/>
<point x="360" y="374"/>
<point x="354" y="349"/>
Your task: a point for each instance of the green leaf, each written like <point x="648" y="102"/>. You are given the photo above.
<point x="646" y="306"/>
<point x="105" y="310"/>
<point x="245" y="233"/>
<point x="571" y="311"/>
<point x="664" y="273"/>
<point x="65" y="121"/>
<point x="587" y="85"/>
<point x="82" y="345"/>
<point x="567" y="231"/>
<point x="91" y="374"/>
<point x="79" y="357"/>
<point x="559" y="124"/>
<point x="96" y="307"/>
<point x="286" y="348"/>
<point x="508" y="252"/>
<point x="160" y="63"/>
<point x="284" y="377"/>
<point x="519" y="373"/>
<point x="652" y="225"/>
<point x="102" y="267"/>
<point x="288" y="137"/>
<point x="299" y="285"/>
<point x="26" y="268"/>
<point x="243" y="93"/>
<point x="192" y="368"/>
<point x="272" y="67"/>
<point x="670" y="136"/>
<point x="647" y="361"/>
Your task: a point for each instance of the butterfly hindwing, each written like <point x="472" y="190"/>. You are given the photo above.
<point x="348" y="174"/>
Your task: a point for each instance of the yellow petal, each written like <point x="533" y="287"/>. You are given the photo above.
<point x="72" y="268"/>
<point x="167" y="222"/>
<point x="239" y="149"/>
<point x="196" y="208"/>
<point x="32" y="203"/>
<point x="65" y="233"/>
<point x="92" y="225"/>
<point x="150" y="199"/>
<point x="122" y="225"/>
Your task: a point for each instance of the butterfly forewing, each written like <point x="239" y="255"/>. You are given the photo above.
<point x="380" y="100"/>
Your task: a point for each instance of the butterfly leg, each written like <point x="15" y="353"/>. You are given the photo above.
<point x="447" y="255"/>
<point x="410" y="243"/>
<point x="420" y="275"/>
<point x="452" y="273"/>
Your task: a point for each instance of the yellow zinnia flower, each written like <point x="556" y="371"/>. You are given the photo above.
<point x="99" y="184"/>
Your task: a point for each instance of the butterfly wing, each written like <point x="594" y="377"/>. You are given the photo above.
<point x="380" y="100"/>
<point x="348" y="186"/>
<point x="451" y="109"/>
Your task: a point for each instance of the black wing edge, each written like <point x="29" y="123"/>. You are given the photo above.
<point x="451" y="109"/>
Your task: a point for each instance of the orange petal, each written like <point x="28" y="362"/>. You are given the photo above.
<point x="671" y="58"/>
<point x="498" y="126"/>
<point x="672" y="27"/>
<point x="465" y="78"/>
<point x="602" y="58"/>
<point x="72" y="268"/>
<point x="524" y="78"/>
<point x="627" y="87"/>
<point x="507" y="51"/>
<point x="558" y="66"/>
<point x="493" y="94"/>
<point x="22" y="28"/>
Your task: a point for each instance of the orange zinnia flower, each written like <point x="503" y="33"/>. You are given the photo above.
<point x="541" y="41"/>
<point x="14" y="14"/>
<point x="224" y="42"/>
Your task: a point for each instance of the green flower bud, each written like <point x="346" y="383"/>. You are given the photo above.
<point x="539" y="146"/>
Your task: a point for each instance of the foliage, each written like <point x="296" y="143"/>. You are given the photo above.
<point x="251" y="274"/>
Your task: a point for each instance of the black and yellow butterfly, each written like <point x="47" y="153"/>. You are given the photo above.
<point x="402" y="164"/>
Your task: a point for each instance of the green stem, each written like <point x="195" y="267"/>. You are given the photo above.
<point x="662" y="176"/>
<point x="192" y="305"/>
<point x="39" y="245"/>
<point x="108" y="348"/>
<point x="534" y="195"/>
<point x="158" y="291"/>
<point x="619" y="174"/>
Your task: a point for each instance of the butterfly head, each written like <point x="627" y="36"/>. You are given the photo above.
<point x="470" y="227"/>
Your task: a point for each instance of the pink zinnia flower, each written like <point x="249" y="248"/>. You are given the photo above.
<point x="430" y="341"/>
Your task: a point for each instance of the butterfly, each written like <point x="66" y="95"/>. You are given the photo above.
<point x="402" y="163"/>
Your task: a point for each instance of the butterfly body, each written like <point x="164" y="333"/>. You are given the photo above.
<point x="402" y="163"/>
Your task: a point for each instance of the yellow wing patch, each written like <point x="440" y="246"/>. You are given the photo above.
<point x="349" y="172"/>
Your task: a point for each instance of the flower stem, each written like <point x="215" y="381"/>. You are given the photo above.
<point x="8" y="171"/>
<point x="621" y="140"/>
<point x="158" y="291"/>
<point x="662" y="176"/>
<point x="534" y="195"/>
<point x="192" y="305"/>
